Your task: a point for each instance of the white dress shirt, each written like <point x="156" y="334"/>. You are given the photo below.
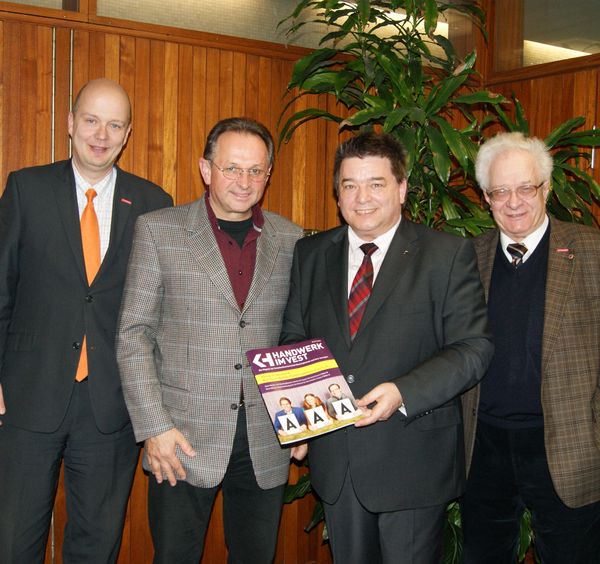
<point x="531" y="241"/>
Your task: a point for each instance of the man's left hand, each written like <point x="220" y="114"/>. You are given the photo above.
<point x="386" y="399"/>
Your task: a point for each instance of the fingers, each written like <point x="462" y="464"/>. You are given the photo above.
<point x="384" y="400"/>
<point x="299" y="451"/>
<point x="162" y="458"/>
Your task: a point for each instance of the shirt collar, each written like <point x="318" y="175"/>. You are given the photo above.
<point x="531" y="241"/>
<point x="101" y="186"/>
<point x="383" y="242"/>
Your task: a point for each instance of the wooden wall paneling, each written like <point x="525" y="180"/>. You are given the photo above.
<point x="199" y="126"/>
<point x="12" y="96"/>
<point x="140" y="101"/>
<point x="225" y="84"/>
<point x="252" y="91"/>
<point x="112" y="57"/>
<point x="170" y="111"/>
<point x="186" y="154"/>
<point x="82" y="46"/>
<point x="156" y="112"/>
<point x="213" y="90"/>
<point x="239" y="86"/>
<point x="44" y="84"/>
<point x="126" y="78"/>
<point x="62" y="92"/>
<point x="97" y="52"/>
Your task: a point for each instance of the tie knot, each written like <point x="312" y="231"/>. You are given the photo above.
<point x="517" y="252"/>
<point x="368" y="248"/>
<point x="90" y="195"/>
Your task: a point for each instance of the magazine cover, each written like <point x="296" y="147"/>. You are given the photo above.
<point x="303" y="389"/>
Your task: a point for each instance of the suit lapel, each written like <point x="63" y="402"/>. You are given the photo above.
<point x="402" y="251"/>
<point x="122" y="204"/>
<point x="204" y="248"/>
<point x="561" y="264"/>
<point x="267" y="249"/>
<point x="63" y="186"/>
<point x="486" y="255"/>
<point x="336" y="260"/>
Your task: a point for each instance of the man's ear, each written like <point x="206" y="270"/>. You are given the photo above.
<point x="205" y="170"/>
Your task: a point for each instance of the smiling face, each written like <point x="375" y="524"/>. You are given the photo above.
<point x="369" y="196"/>
<point x="285" y="405"/>
<point x="232" y="200"/>
<point x="99" y="127"/>
<point x="310" y="400"/>
<point x="517" y="217"/>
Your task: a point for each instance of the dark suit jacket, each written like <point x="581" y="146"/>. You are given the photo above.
<point x="46" y="305"/>
<point x="570" y="359"/>
<point x="425" y="329"/>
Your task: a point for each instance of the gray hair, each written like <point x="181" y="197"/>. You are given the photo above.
<point x="514" y="141"/>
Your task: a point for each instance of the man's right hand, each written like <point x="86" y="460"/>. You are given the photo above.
<point x="2" y="406"/>
<point x="161" y="453"/>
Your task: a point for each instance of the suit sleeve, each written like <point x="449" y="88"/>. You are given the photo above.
<point x="9" y="259"/>
<point x="292" y="329"/>
<point x="467" y="346"/>
<point x="137" y="352"/>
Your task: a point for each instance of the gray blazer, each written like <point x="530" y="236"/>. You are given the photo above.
<point x="182" y="339"/>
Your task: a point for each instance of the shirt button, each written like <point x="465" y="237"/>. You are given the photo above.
<point x="238" y="366"/>
<point x="242" y="324"/>
<point x="240" y="272"/>
<point x="76" y="346"/>
<point x="234" y="406"/>
<point x="350" y="378"/>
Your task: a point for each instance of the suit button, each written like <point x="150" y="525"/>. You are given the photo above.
<point x="242" y="324"/>
<point x="234" y="406"/>
<point x="238" y="366"/>
<point x="474" y="412"/>
<point x="76" y="346"/>
<point x="89" y="299"/>
<point x="350" y="378"/>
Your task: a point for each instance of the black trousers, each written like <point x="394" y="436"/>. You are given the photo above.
<point x="179" y="515"/>
<point x="98" y="473"/>
<point x="359" y="536"/>
<point x="509" y="472"/>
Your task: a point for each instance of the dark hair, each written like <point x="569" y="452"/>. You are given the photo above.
<point x="371" y="145"/>
<point x="239" y="125"/>
<point x="286" y="399"/>
<point x="333" y="384"/>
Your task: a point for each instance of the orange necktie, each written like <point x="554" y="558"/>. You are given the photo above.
<point x="90" y="238"/>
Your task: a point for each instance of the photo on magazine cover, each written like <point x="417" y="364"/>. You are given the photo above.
<point x="303" y="389"/>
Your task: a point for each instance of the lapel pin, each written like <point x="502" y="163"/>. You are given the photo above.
<point x="570" y="256"/>
<point x="126" y="201"/>
<point x="405" y="251"/>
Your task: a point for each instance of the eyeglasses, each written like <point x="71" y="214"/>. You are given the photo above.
<point x="525" y="192"/>
<point x="235" y="173"/>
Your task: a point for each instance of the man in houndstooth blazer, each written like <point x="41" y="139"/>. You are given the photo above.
<point x="206" y="283"/>
<point x="532" y="427"/>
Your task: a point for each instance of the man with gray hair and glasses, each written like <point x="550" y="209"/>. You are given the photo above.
<point x="532" y="427"/>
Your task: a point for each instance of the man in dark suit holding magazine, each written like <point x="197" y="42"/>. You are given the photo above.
<point x="65" y="236"/>
<point x="405" y="319"/>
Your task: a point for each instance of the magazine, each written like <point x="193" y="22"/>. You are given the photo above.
<point x="303" y="389"/>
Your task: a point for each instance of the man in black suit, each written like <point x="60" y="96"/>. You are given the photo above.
<point x="60" y="392"/>
<point x="422" y="341"/>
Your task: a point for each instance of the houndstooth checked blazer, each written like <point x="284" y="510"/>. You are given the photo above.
<point x="182" y="339"/>
<point x="570" y="359"/>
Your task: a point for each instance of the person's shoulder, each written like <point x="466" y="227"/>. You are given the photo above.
<point x="143" y="187"/>
<point x="322" y="239"/>
<point x="58" y="168"/>
<point x="438" y="239"/>
<point x="281" y="225"/>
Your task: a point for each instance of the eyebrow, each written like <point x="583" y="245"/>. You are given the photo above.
<point x="368" y="179"/>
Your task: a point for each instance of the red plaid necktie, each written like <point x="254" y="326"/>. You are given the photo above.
<point x="361" y="289"/>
